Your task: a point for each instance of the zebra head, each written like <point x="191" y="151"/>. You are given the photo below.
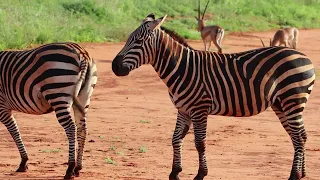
<point x="139" y="48"/>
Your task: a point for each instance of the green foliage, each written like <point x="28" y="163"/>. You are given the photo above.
<point x="109" y="160"/>
<point x="120" y="153"/>
<point x="86" y="8"/>
<point x="144" y="121"/>
<point x="23" y="23"/>
<point x="143" y="149"/>
<point x="113" y="148"/>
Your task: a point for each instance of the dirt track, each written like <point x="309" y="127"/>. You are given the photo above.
<point x="135" y="112"/>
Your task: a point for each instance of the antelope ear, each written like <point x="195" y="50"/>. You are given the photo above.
<point x="197" y="18"/>
<point x="150" y="17"/>
<point x="157" y="23"/>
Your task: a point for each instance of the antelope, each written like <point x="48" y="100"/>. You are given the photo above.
<point x="286" y="36"/>
<point x="212" y="33"/>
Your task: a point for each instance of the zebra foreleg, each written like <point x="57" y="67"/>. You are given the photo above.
<point x="200" y="131"/>
<point x="10" y="123"/>
<point x="182" y="127"/>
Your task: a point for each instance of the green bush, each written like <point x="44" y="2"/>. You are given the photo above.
<point x="23" y="23"/>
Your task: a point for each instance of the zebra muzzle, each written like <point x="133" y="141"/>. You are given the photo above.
<point x="118" y="68"/>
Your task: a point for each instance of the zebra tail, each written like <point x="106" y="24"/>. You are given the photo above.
<point x="83" y="71"/>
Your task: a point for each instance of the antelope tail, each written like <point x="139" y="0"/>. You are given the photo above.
<point x="219" y="35"/>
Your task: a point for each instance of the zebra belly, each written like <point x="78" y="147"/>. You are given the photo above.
<point x="240" y="110"/>
<point x="37" y="104"/>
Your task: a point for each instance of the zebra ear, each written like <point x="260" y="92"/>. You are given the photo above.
<point x="157" y="23"/>
<point x="150" y="17"/>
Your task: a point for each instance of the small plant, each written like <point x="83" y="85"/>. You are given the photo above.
<point x="51" y="150"/>
<point x="110" y="161"/>
<point x="143" y="149"/>
<point x="120" y="153"/>
<point x="116" y="137"/>
<point x="144" y="121"/>
<point x="102" y="137"/>
<point x="113" y="148"/>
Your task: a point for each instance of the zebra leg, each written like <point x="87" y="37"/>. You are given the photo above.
<point x="200" y="132"/>
<point x="62" y="110"/>
<point x="291" y="119"/>
<point x="182" y="127"/>
<point x="84" y="99"/>
<point x="299" y="137"/>
<point x="8" y="120"/>
<point x="82" y="131"/>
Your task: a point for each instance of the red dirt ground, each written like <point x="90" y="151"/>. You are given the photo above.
<point x="135" y="112"/>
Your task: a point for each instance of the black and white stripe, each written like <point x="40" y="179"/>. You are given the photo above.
<point x="53" y="77"/>
<point x="242" y="84"/>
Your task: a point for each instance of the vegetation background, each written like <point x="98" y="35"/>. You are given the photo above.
<point x="27" y="22"/>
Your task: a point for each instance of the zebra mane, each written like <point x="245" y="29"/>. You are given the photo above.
<point x="176" y="37"/>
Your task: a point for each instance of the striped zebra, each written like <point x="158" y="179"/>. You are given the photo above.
<point x="52" y="77"/>
<point x="207" y="83"/>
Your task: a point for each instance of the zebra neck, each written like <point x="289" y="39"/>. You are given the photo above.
<point x="169" y="55"/>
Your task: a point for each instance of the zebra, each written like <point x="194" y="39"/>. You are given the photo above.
<point x="52" y="77"/>
<point x="204" y="83"/>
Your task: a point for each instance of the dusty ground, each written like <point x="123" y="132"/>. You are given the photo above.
<point x="131" y="121"/>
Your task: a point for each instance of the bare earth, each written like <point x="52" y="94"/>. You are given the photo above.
<point x="131" y="121"/>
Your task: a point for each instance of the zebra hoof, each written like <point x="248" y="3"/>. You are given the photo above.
<point x="295" y="176"/>
<point x="68" y="177"/>
<point x="174" y="177"/>
<point x="22" y="169"/>
<point x="198" y="177"/>
<point x="77" y="171"/>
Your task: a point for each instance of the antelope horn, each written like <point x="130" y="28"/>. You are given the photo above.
<point x="199" y="9"/>
<point x="204" y="12"/>
<point x="262" y="42"/>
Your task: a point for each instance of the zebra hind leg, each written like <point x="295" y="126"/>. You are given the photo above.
<point x="82" y="131"/>
<point x="200" y="133"/>
<point x="63" y="114"/>
<point x="10" y="123"/>
<point x="290" y="115"/>
<point x="80" y="118"/>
